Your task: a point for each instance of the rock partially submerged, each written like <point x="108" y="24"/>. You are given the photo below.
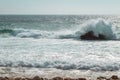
<point x="114" y="77"/>
<point x="57" y="78"/>
<point x="90" y="36"/>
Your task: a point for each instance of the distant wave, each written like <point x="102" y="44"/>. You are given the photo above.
<point x="98" y="26"/>
<point x="25" y="33"/>
<point x="6" y="31"/>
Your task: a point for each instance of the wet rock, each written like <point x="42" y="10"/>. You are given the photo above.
<point x="11" y="78"/>
<point x="115" y="77"/>
<point x="45" y="79"/>
<point x="107" y="78"/>
<point x="18" y="78"/>
<point x="102" y="37"/>
<point x="28" y="78"/>
<point x="23" y="79"/>
<point x="101" y="78"/>
<point x="36" y="78"/>
<point x="90" y="36"/>
<point x="6" y="78"/>
<point x="57" y="78"/>
<point x="2" y="78"/>
<point x="68" y="78"/>
<point x="82" y="79"/>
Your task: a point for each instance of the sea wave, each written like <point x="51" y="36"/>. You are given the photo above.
<point x="82" y="64"/>
<point x="98" y="26"/>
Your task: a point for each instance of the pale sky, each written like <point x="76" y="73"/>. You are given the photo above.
<point x="60" y="7"/>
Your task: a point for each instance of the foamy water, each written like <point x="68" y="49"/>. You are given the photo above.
<point x="53" y="43"/>
<point x="64" y="54"/>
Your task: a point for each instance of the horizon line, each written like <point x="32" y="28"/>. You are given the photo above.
<point x="61" y="14"/>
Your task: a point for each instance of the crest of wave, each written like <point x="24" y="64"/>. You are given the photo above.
<point x="98" y="26"/>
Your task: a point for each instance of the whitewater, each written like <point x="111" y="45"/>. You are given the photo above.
<point x="51" y="45"/>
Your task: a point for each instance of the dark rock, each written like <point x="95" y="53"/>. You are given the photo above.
<point x="18" y="78"/>
<point x="57" y="78"/>
<point x="68" y="78"/>
<point x="101" y="78"/>
<point x="28" y="78"/>
<point x="102" y="37"/>
<point x="2" y="78"/>
<point x="11" y="78"/>
<point x="23" y="79"/>
<point x="37" y="78"/>
<point x="82" y="79"/>
<point x="90" y="36"/>
<point x="114" y="77"/>
<point x="108" y="79"/>
<point x="45" y="79"/>
<point x="6" y="78"/>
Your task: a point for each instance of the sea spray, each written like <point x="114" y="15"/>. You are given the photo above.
<point x="50" y="42"/>
<point x="98" y="26"/>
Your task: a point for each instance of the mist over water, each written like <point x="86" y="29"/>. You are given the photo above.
<point x="54" y="42"/>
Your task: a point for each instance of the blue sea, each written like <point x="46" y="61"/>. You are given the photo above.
<point x="48" y="44"/>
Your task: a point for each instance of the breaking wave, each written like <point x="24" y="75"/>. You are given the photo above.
<point x="93" y="63"/>
<point x="98" y="26"/>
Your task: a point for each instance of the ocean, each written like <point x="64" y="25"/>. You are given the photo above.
<point x="51" y="44"/>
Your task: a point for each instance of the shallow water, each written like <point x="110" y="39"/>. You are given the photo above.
<point x="54" y="42"/>
<point x="63" y="54"/>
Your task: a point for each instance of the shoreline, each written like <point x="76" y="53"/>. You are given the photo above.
<point x="51" y="73"/>
<point x="113" y="77"/>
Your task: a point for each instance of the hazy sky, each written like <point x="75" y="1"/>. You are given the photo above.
<point x="60" y="7"/>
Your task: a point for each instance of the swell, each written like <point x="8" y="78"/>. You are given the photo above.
<point x="98" y="26"/>
<point x="2" y="31"/>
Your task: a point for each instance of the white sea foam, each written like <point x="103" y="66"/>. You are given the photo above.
<point x="52" y="72"/>
<point x="98" y="26"/>
<point x="58" y="49"/>
<point x="62" y="54"/>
